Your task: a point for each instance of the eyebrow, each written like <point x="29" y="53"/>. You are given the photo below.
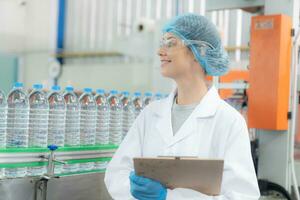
<point x="169" y="37"/>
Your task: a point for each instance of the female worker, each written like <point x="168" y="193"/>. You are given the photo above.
<point x="192" y="121"/>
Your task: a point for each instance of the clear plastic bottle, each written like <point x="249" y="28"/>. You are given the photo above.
<point x="128" y="113"/>
<point x="72" y="126"/>
<point x="38" y="117"/>
<point x="102" y="131"/>
<point x="3" y="116"/>
<point x="88" y="118"/>
<point x="38" y="124"/>
<point x="115" y="120"/>
<point x="137" y="103"/>
<point x="57" y="117"/>
<point x="17" y="125"/>
<point x="148" y="98"/>
<point x="158" y="96"/>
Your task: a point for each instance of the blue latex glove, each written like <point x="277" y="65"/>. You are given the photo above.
<point x="146" y="189"/>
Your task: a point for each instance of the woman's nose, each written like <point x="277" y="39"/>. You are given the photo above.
<point x="161" y="52"/>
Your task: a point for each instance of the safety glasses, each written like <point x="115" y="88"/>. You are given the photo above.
<point x="173" y="43"/>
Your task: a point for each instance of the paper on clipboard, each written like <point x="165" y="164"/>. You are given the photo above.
<point x="203" y="175"/>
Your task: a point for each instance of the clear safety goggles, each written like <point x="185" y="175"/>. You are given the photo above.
<point x="176" y="44"/>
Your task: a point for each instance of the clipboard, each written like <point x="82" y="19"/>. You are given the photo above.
<point x="203" y="175"/>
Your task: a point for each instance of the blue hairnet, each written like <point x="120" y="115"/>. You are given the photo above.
<point x="213" y="59"/>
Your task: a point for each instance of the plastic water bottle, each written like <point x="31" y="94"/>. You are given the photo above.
<point x="3" y="116"/>
<point x="148" y="98"/>
<point x="88" y="118"/>
<point x="72" y="126"/>
<point x="115" y="120"/>
<point x="57" y="115"/>
<point x="137" y="103"/>
<point x="88" y="111"/>
<point x="128" y="113"/>
<point x="38" y="117"/>
<point x="102" y="131"/>
<point x="17" y="117"/>
<point x="158" y="96"/>
<point x="17" y="125"/>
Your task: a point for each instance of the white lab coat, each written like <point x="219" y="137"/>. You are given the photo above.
<point x="213" y="130"/>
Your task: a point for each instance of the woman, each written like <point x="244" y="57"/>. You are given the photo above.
<point x="192" y="121"/>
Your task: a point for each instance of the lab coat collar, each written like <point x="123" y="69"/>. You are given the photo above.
<point x="206" y="108"/>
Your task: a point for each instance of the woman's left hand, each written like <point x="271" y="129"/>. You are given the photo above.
<point x="145" y="189"/>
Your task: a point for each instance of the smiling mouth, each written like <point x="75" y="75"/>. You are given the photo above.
<point x="163" y="62"/>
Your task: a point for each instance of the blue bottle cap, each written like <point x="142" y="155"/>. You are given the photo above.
<point x="148" y="94"/>
<point x="114" y="92"/>
<point x="69" y="88"/>
<point x="125" y="93"/>
<point x="52" y="147"/>
<point x="37" y="86"/>
<point x="87" y="90"/>
<point x="137" y="94"/>
<point x="55" y="88"/>
<point x="158" y="94"/>
<point x="18" y="85"/>
<point x="100" y="91"/>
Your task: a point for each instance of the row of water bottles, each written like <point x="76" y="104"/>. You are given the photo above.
<point x="38" y="119"/>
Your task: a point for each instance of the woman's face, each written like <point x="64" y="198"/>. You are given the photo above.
<point x="176" y="59"/>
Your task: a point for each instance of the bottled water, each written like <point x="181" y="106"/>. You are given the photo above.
<point x="137" y="103"/>
<point x="36" y="171"/>
<point x="158" y="96"/>
<point x="3" y="115"/>
<point x="87" y="166"/>
<point x="17" y="117"/>
<point x="38" y="124"/>
<point x="57" y="114"/>
<point x="115" y="120"/>
<point x="71" y="168"/>
<point x="72" y="126"/>
<point x="38" y="117"/>
<point x="101" y="165"/>
<point x="17" y="125"/>
<point x="128" y="113"/>
<point x="147" y="98"/>
<point x="102" y="131"/>
<point x="88" y="110"/>
<point x="88" y="117"/>
<point x="15" y="172"/>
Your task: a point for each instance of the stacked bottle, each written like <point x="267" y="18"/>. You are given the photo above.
<point x="128" y="113"/>
<point x="17" y="125"/>
<point x="3" y="115"/>
<point x="115" y="120"/>
<point x="158" y="96"/>
<point x="148" y="98"/>
<point x="38" y="124"/>
<point x="87" y="123"/>
<point x="102" y="131"/>
<point x="56" y="126"/>
<point x="137" y="103"/>
<point x="72" y="125"/>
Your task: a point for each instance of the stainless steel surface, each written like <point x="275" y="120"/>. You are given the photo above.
<point x="77" y="187"/>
